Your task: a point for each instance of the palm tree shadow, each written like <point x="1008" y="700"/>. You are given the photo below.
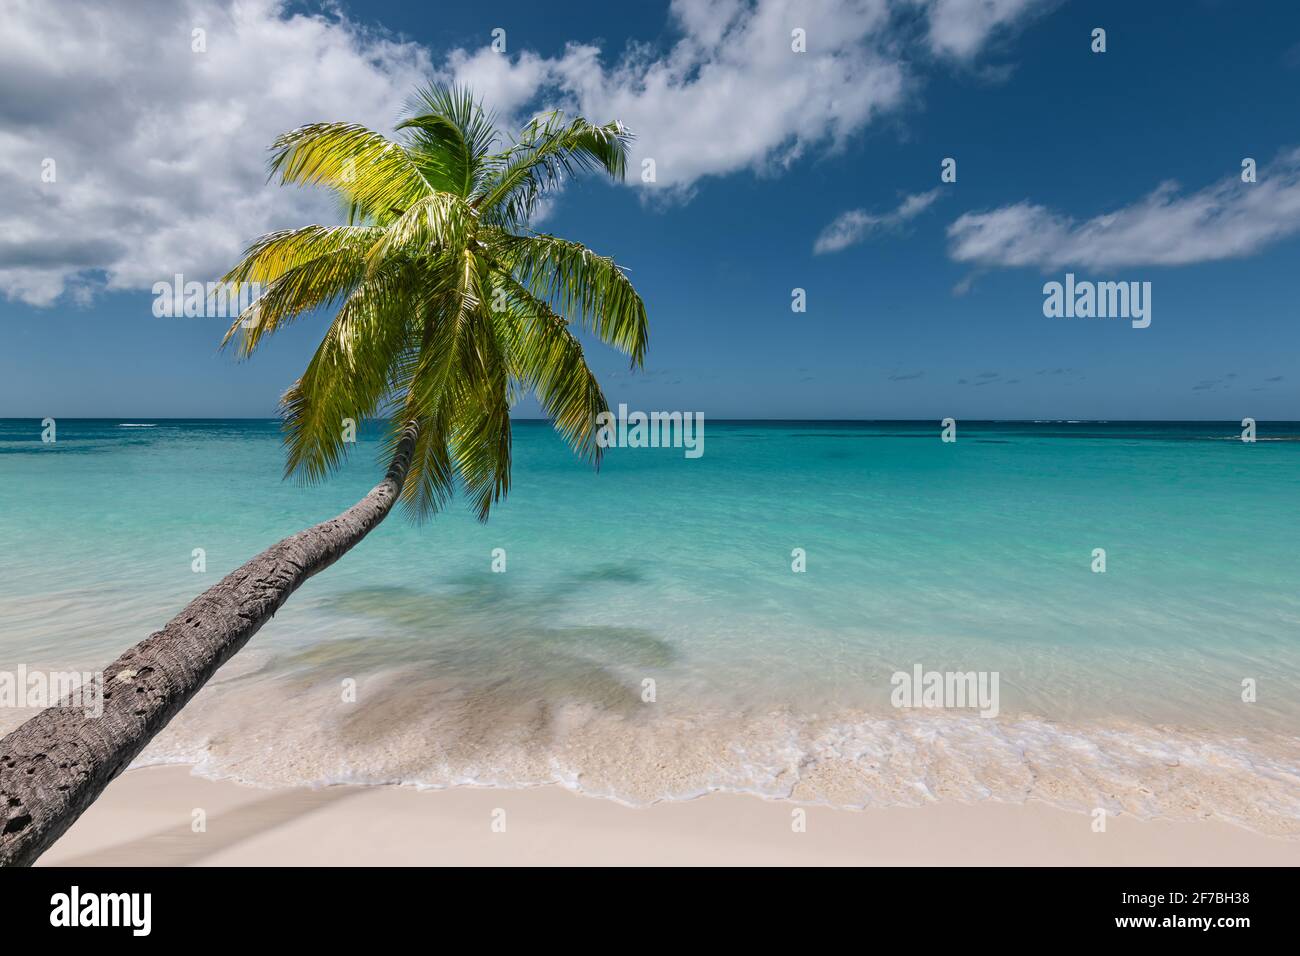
<point x="480" y="624"/>
<point x="473" y="594"/>
<point x="477" y="661"/>
<point x="180" y="846"/>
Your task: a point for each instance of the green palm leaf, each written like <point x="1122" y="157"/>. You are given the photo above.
<point x="549" y="151"/>
<point x="373" y="174"/>
<point x="578" y="283"/>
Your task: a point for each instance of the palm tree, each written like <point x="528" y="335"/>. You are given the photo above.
<point x="447" y="308"/>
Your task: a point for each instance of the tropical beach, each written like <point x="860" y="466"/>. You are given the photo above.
<point x="691" y="434"/>
<point x="766" y="682"/>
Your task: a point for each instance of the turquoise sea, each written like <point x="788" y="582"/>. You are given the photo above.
<point x="649" y="640"/>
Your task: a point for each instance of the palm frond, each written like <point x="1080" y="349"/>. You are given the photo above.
<point x="439" y="223"/>
<point x="548" y="151"/>
<point x="448" y="362"/>
<point x="548" y="360"/>
<point x="372" y="173"/>
<point x="431" y="478"/>
<point x="480" y="433"/>
<point x="448" y="135"/>
<point x="580" y="285"/>
<point x="349" y="377"/>
<point x="301" y="269"/>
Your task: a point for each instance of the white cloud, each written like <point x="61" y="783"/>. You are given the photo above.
<point x="729" y="95"/>
<point x="505" y="84"/>
<point x="160" y="150"/>
<point x="960" y="28"/>
<point x="1226" y="220"/>
<point x="850" y="228"/>
<point x="732" y="95"/>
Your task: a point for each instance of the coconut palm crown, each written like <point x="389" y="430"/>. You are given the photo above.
<point x="447" y="307"/>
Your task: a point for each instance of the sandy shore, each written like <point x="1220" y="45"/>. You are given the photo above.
<point x="146" y="818"/>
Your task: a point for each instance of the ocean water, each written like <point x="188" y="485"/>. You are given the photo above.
<point x="1121" y="690"/>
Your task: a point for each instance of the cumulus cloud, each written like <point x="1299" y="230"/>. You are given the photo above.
<point x="732" y="95"/>
<point x="159" y="150"/>
<point x="1225" y="220"/>
<point x="729" y="94"/>
<point x="850" y="228"/>
<point x="959" y="28"/>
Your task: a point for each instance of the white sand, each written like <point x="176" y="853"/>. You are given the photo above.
<point x="145" y="818"/>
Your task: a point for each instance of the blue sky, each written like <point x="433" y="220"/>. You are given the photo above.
<point x="758" y="150"/>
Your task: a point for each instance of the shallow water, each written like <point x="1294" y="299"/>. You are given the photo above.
<point x="1121" y="689"/>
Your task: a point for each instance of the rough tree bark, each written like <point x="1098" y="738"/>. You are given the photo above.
<point x="54" y="766"/>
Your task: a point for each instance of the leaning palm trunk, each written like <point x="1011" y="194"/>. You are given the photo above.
<point x="54" y="766"/>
